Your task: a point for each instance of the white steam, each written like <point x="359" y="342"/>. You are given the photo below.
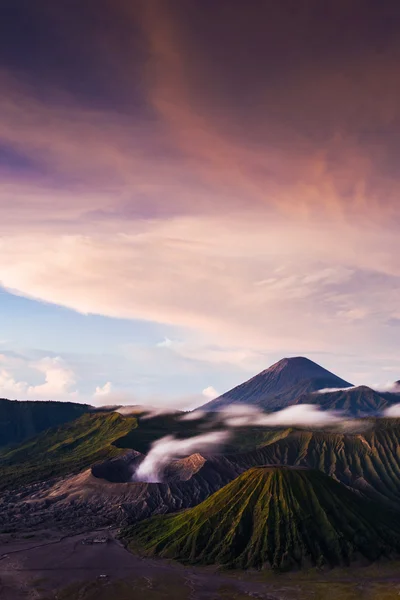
<point x="245" y="415"/>
<point x="300" y="415"/>
<point x="170" y="448"/>
<point x="332" y="390"/>
<point x="393" y="411"/>
<point x="194" y="415"/>
<point x="146" y="411"/>
<point x="390" y="386"/>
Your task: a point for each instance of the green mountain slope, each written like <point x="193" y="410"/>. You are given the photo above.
<point x="20" y="420"/>
<point x="274" y="516"/>
<point x="369" y="462"/>
<point x="69" y="448"/>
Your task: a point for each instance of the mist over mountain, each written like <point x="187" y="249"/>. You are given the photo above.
<point x="299" y="380"/>
<point x="356" y="401"/>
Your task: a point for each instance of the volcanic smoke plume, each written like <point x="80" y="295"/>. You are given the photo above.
<point x="169" y="448"/>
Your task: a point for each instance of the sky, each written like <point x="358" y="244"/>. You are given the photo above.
<point x="191" y="190"/>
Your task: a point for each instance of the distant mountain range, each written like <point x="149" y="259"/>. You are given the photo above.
<point x="290" y="381"/>
<point x="275" y="517"/>
<point x="301" y="381"/>
<point x="20" y="420"/>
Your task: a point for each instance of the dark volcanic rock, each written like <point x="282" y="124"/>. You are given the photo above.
<point x="280" y="385"/>
<point x="120" y="469"/>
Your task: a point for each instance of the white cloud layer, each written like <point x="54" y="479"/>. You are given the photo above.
<point x="300" y="415"/>
<point x="170" y="448"/>
<point x="393" y="411"/>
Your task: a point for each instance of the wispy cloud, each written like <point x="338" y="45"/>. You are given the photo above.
<point x="250" y="202"/>
<point x="210" y="287"/>
<point x="165" y="450"/>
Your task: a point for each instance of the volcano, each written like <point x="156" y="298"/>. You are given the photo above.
<point x="280" y="386"/>
<point x="277" y="517"/>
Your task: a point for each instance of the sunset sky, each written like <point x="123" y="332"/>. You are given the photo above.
<point x="191" y="190"/>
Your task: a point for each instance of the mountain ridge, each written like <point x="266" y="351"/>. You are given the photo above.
<point x="23" y="419"/>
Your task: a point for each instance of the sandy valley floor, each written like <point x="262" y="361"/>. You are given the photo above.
<point x="49" y="568"/>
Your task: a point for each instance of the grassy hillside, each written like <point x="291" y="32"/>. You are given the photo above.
<point x="149" y="430"/>
<point x="20" y="420"/>
<point x="369" y="461"/>
<point x="274" y="516"/>
<point x="66" y="449"/>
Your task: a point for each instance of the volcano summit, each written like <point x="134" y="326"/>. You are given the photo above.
<point x="280" y="385"/>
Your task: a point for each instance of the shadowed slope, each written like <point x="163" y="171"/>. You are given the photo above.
<point x="20" y="420"/>
<point x="69" y="448"/>
<point x="274" y="516"/>
<point x="280" y="385"/>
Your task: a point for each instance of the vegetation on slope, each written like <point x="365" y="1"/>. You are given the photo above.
<point x="369" y="462"/>
<point x="150" y="430"/>
<point x="277" y="517"/>
<point x="20" y="420"/>
<point x="69" y="448"/>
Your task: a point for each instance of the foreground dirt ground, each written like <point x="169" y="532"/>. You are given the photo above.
<point x="47" y="566"/>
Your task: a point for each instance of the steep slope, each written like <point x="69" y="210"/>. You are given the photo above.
<point x="20" y="420"/>
<point x="274" y="516"/>
<point x="280" y="385"/>
<point x="69" y="448"/>
<point x="369" y="462"/>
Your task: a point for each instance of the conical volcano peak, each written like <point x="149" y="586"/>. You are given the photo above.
<point x="293" y="361"/>
<point x="274" y="516"/>
<point x="297" y="366"/>
<point x="280" y="385"/>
